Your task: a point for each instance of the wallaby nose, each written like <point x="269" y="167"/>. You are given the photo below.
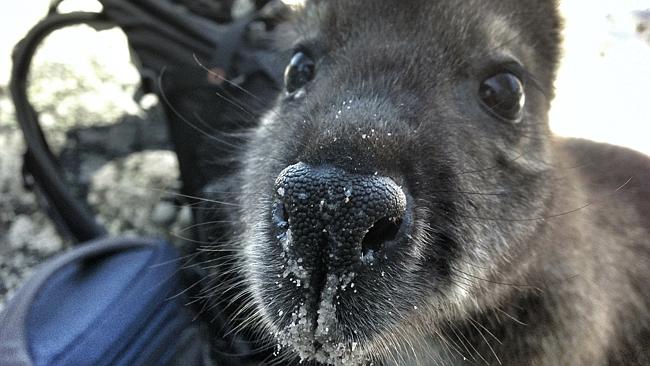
<point x="342" y="218"/>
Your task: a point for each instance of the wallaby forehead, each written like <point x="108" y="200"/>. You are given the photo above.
<point x="440" y="31"/>
<point x="431" y="15"/>
<point x="384" y="21"/>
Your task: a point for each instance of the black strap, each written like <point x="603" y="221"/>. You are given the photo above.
<point x="40" y="163"/>
<point x="166" y="41"/>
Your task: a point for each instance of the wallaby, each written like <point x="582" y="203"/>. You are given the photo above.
<point x="405" y="203"/>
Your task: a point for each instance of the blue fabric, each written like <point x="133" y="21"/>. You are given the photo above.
<point x="75" y="299"/>
<point x="117" y="308"/>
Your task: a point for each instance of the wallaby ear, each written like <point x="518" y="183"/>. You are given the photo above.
<point x="551" y="36"/>
<point x="542" y="18"/>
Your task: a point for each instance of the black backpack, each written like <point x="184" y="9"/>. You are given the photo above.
<point x="205" y="66"/>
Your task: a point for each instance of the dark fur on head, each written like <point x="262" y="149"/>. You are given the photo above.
<point x="505" y="264"/>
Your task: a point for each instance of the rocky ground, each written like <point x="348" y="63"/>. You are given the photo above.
<point x="122" y="164"/>
<point x="115" y="152"/>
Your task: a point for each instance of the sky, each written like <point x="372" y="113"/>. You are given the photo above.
<point x="603" y="86"/>
<point x="602" y="90"/>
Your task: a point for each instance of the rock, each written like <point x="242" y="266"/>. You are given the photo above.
<point x="241" y="8"/>
<point x="164" y="213"/>
<point x="127" y="193"/>
<point x="30" y="233"/>
<point x="642" y="18"/>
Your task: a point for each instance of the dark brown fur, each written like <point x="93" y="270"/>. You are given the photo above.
<point x="532" y="250"/>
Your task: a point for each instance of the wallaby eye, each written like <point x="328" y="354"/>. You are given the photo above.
<point x="299" y="72"/>
<point x="502" y="95"/>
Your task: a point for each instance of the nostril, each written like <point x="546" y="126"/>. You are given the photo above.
<point x="280" y="215"/>
<point x="383" y="231"/>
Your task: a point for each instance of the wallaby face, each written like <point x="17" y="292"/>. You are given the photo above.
<point x="394" y="203"/>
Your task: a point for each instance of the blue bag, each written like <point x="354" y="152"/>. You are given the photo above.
<point x="109" y="302"/>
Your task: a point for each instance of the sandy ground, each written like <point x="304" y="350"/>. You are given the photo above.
<point x="83" y="82"/>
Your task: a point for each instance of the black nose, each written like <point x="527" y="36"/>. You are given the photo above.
<point x="342" y="218"/>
